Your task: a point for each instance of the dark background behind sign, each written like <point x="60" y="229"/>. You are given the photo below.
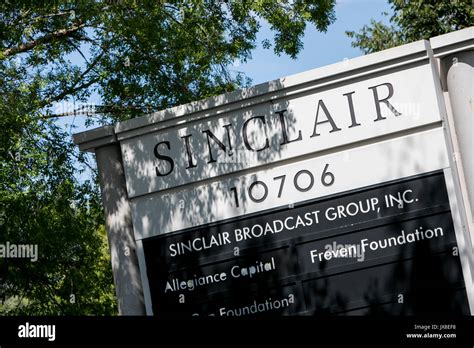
<point x="412" y="278"/>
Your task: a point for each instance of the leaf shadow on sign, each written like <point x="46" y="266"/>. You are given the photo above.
<point x="203" y="202"/>
<point x="195" y="196"/>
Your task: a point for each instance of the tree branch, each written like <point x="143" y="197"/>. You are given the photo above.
<point x="91" y="110"/>
<point x="51" y="15"/>
<point x="75" y="88"/>
<point x="72" y="90"/>
<point x="47" y="38"/>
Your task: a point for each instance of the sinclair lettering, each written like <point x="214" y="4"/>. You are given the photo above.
<point x="323" y="116"/>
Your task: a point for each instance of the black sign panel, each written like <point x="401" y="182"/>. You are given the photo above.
<point x="387" y="249"/>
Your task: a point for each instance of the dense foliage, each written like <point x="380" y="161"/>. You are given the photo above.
<point x="414" y="20"/>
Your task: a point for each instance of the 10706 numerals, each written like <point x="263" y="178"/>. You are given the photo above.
<point x="303" y="181"/>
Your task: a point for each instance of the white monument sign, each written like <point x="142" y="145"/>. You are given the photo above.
<point x="286" y="197"/>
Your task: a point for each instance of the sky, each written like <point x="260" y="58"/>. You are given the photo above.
<point x="320" y="49"/>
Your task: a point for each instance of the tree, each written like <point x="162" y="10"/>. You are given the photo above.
<point x="137" y="56"/>
<point x="414" y="20"/>
<point x="42" y="204"/>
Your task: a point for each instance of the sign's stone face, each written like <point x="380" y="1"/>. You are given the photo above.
<point x="335" y="191"/>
